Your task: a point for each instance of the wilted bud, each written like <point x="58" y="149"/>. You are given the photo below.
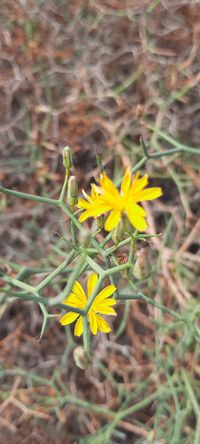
<point x="122" y="258"/>
<point x="67" y="158"/>
<point x="81" y="358"/>
<point x="141" y="268"/>
<point x="72" y="191"/>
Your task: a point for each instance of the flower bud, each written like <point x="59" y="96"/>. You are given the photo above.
<point x="100" y="222"/>
<point x="118" y="233"/>
<point x="67" y="158"/>
<point x="128" y="228"/>
<point x="72" y="191"/>
<point x="81" y="358"/>
<point x="141" y="268"/>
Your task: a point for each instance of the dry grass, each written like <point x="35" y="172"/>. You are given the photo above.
<point x="94" y="75"/>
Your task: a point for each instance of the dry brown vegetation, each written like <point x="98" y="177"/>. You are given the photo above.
<point x="95" y="75"/>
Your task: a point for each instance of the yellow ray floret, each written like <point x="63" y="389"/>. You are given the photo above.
<point x="102" y="304"/>
<point x="106" y="198"/>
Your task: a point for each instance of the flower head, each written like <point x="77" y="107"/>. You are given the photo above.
<point x="102" y="304"/>
<point x="106" y="198"/>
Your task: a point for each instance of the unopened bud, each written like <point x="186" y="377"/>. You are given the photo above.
<point x="67" y="158"/>
<point x="72" y="191"/>
<point x="100" y="222"/>
<point x="81" y="358"/>
<point x="118" y="233"/>
<point x="128" y="228"/>
<point x="141" y="268"/>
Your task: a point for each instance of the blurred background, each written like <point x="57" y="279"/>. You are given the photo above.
<point x="96" y="75"/>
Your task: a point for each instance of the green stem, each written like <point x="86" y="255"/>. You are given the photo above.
<point x="57" y="271"/>
<point x="64" y="187"/>
<point x="95" y="266"/>
<point x="107" y="412"/>
<point x="140" y="405"/>
<point x="93" y="295"/>
<point x="20" y="284"/>
<point x="148" y="300"/>
<point x="193" y="400"/>
<point x="75" y="274"/>
<point x="29" y="196"/>
<point x="86" y="335"/>
<point x="173" y="142"/>
<point x="34" y="296"/>
<point x="112" y="279"/>
<point x="131" y="254"/>
<point x="24" y="373"/>
<point x="78" y="225"/>
<point x="117" y="269"/>
<point x="73" y="233"/>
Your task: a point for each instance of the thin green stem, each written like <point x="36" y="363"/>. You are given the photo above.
<point x="131" y="254"/>
<point x="86" y="335"/>
<point x="26" y="296"/>
<point x="123" y="322"/>
<point x="94" y="266"/>
<point x="107" y="412"/>
<point x="73" y="233"/>
<point x="64" y="188"/>
<point x="78" y="225"/>
<point x="29" y="196"/>
<point x="75" y="274"/>
<point x="20" y="284"/>
<point x="141" y="404"/>
<point x="117" y="269"/>
<point x="57" y="271"/>
<point x="26" y="374"/>
<point x="173" y="142"/>
<point x="148" y="300"/>
<point x="193" y="400"/>
<point x="106" y="240"/>
<point x="135" y="168"/>
<point x="93" y="295"/>
<point x="112" y="279"/>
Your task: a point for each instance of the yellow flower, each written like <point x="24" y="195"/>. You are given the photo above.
<point x="106" y="198"/>
<point x="102" y="304"/>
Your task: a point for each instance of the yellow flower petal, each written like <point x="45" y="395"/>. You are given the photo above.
<point x="133" y="207"/>
<point x="102" y="304"/>
<point x="74" y="301"/>
<point x="139" y="183"/>
<point x="102" y="324"/>
<point x="69" y="318"/>
<point x="105" y="293"/>
<point x="86" y="196"/>
<point x="78" y="290"/>
<point x="93" y="211"/>
<point x="112" y="220"/>
<point x="105" y="310"/>
<point x="79" y="327"/>
<point x="125" y="185"/>
<point x="91" y="283"/>
<point x="108" y="185"/>
<point x="108" y="302"/>
<point x="106" y="198"/>
<point x="148" y="194"/>
<point x="95" y="190"/>
<point x="83" y="204"/>
<point x="93" y="322"/>
<point x="138" y="222"/>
